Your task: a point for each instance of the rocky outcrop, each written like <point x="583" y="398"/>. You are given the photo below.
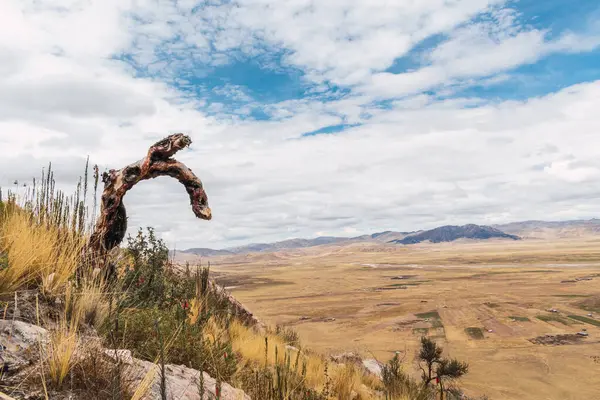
<point x="182" y="383"/>
<point x="373" y="366"/>
<point x="239" y="310"/>
<point x="20" y="344"/>
<point x="370" y="366"/>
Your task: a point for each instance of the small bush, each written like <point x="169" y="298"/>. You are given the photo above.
<point x="289" y="335"/>
<point x="183" y="343"/>
<point x="147" y="276"/>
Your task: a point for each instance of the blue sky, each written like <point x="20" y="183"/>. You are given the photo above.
<point x="313" y="118"/>
<point x="255" y="77"/>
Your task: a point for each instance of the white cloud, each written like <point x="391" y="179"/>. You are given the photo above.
<point x="566" y="171"/>
<point x="418" y="163"/>
<point x="479" y="50"/>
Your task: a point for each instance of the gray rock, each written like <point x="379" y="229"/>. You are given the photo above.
<point x="182" y="382"/>
<point x="373" y="366"/>
<point x="21" y="333"/>
<point x="19" y="345"/>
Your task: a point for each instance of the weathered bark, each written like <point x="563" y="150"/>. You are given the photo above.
<point x="111" y="225"/>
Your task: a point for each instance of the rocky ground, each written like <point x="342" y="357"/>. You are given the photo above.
<point x="22" y="342"/>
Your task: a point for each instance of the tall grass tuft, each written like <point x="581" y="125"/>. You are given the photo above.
<point x="64" y="343"/>
<point x="39" y="255"/>
<point x="42" y="234"/>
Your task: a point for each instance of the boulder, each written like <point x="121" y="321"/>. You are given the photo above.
<point x="374" y="367"/>
<point x="182" y="383"/>
<point x="19" y="345"/>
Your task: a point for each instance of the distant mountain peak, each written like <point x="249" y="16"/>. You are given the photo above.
<point x="449" y="233"/>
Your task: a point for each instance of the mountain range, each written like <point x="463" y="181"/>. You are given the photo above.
<point x="448" y="233"/>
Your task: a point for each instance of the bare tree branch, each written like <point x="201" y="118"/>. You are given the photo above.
<point x="111" y="225"/>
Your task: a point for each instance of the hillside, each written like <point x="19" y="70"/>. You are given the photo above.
<point x="450" y="233"/>
<point x="523" y="229"/>
<point x="205" y="252"/>
<point x="552" y="229"/>
<point x="290" y="244"/>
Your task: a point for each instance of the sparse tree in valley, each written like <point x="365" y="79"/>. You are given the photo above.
<point x="436" y="368"/>
<point x="430" y="354"/>
<point x="448" y="370"/>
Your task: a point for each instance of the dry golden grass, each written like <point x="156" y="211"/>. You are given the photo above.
<point x="64" y="343"/>
<point x="476" y="284"/>
<point x="344" y="379"/>
<point x="37" y="254"/>
<point x="253" y="348"/>
<point x="91" y="302"/>
<point x="61" y="352"/>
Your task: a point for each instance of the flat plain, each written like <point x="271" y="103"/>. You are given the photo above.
<point x="483" y="301"/>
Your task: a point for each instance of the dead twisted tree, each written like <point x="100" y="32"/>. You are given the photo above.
<point x="111" y="225"/>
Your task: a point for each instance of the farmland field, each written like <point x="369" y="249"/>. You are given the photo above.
<point x="483" y="301"/>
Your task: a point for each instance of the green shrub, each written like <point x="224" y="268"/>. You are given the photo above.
<point x="152" y="313"/>
<point x="148" y="279"/>
<point x="183" y="343"/>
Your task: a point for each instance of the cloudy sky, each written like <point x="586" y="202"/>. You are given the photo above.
<point x="331" y="117"/>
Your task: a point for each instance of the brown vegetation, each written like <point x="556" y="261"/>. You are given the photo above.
<point x="487" y="293"/>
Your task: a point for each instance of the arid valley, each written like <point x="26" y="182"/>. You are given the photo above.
<point x="485" y="301"/>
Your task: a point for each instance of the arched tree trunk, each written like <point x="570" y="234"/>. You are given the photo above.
<point x="111" y="225"/>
